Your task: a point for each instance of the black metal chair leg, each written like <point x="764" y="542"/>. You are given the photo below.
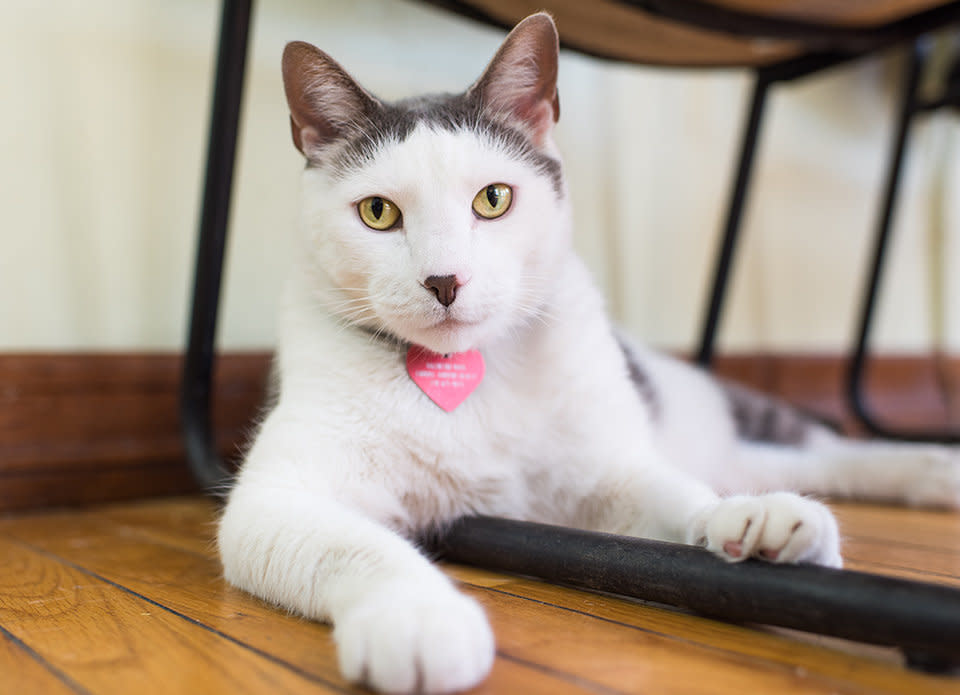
<point x="731" y="230"/>
<point x="195" y="402"/>
<point x="910" y="107"/>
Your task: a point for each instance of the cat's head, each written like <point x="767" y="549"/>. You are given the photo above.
<point x="439" y="219"/>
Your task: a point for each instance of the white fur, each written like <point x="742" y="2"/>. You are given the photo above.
<point x="355" y="459"/>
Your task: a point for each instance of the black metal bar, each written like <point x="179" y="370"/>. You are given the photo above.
<point x="195" y="402"/>
<point x="731" y="228"/>
<point x="923" y="619"/>
<point x="909" y="107"/>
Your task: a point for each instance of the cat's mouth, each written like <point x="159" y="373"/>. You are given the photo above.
<point x="452" y="323"/>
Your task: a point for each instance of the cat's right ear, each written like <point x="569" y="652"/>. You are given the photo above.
<point x="325" y="103"/>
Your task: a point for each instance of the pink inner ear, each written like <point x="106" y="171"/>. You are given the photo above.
<point x="528" y="98"/>
<point x="541" y="118"/>
<point x="310" y="140"/>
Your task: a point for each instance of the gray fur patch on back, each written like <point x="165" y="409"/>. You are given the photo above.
<point x="394" y="122"/>
<point x="762" y="418"/>
<point x="641" y="380"/>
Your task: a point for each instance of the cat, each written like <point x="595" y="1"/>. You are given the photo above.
<point x="436" y="263"/>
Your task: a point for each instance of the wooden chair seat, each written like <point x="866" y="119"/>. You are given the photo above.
<point x="713" y="33"/>
<point x="617" y="31"/>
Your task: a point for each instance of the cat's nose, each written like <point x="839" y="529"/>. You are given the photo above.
<point x="444" y="286"/>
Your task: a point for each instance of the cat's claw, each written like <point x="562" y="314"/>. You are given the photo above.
<point x="411" y="640"/>
<point x="780" y="527"/>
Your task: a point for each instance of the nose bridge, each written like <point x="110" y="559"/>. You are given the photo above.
<point x="440" y="251"/>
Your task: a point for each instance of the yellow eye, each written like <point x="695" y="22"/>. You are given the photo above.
<point x="378" y="213"/>
<point x="493" y="201"/>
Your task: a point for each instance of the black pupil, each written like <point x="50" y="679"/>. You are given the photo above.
<point x="493" y="196"/>
<point x="376" y="207"/>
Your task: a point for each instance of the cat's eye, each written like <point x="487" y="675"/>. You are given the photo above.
<point x="378" y="213"/>
<point x="493" y="200"/>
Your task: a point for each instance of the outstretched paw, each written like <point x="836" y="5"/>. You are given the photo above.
<point x="780" y="527"/>
<point x="411" y="640"/>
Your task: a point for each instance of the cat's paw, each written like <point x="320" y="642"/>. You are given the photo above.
<point x="780" y="527"/>
<point x="409" y="640"/>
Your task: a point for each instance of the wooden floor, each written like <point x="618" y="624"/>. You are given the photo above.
<point x="129" y="599"/>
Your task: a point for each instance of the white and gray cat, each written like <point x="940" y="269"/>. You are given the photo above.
<point x="441" y="226"/>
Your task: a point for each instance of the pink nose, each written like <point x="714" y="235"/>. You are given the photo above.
<point x="444" y="287"/>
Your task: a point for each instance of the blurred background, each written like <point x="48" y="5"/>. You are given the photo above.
<point x="103" y="129"/>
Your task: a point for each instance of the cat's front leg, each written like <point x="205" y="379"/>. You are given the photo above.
<point x="668" y="504"/>
<point x="399" y="624"/>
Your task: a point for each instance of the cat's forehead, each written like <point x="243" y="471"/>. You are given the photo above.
<point x="392" y="124"/>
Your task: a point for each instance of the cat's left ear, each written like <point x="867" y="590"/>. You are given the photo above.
<point x="520" y="83"/>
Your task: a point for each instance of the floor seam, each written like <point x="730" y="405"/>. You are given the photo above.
<point x="44" y="663"/>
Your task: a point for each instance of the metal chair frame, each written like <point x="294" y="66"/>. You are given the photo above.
<point x="911" y="105"/>
<point x="922" y="619"/>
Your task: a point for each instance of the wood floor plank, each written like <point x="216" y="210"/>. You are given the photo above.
<point x="880" y="673"/>
<point x="902" y="560"/>
<point x="108" y="640"/>
<point x="22" y="671"/>
<point x="935" y="529"/>
<point x="622" y="658"/>
<point x="908" y="573"/>
<point x="184" y="522"/>
<point x="191" y="584"/>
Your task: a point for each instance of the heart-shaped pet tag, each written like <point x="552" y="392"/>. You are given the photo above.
<point x="446" y="379"/>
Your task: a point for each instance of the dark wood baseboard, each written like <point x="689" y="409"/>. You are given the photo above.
<point x="85" y="428"/>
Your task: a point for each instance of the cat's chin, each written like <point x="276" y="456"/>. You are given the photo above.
<point x="448" y="337"/>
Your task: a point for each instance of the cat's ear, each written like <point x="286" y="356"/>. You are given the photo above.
<point x="520" y="83"/>
<point x="325" y="102"/>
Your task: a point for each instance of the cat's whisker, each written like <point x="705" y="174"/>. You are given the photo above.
<point x="354" y="317"/>
<point x="346" y="304"/>
<point x="351" y="313"/>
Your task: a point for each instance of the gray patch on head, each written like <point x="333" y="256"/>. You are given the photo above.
<point x="393" y="122"/>
<point x="642" y="382"/>
<point x="762" y="418"/>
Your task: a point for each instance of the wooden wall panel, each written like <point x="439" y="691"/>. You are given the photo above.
<point x="82" y="428"/>
<point x="85" y="428"/>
